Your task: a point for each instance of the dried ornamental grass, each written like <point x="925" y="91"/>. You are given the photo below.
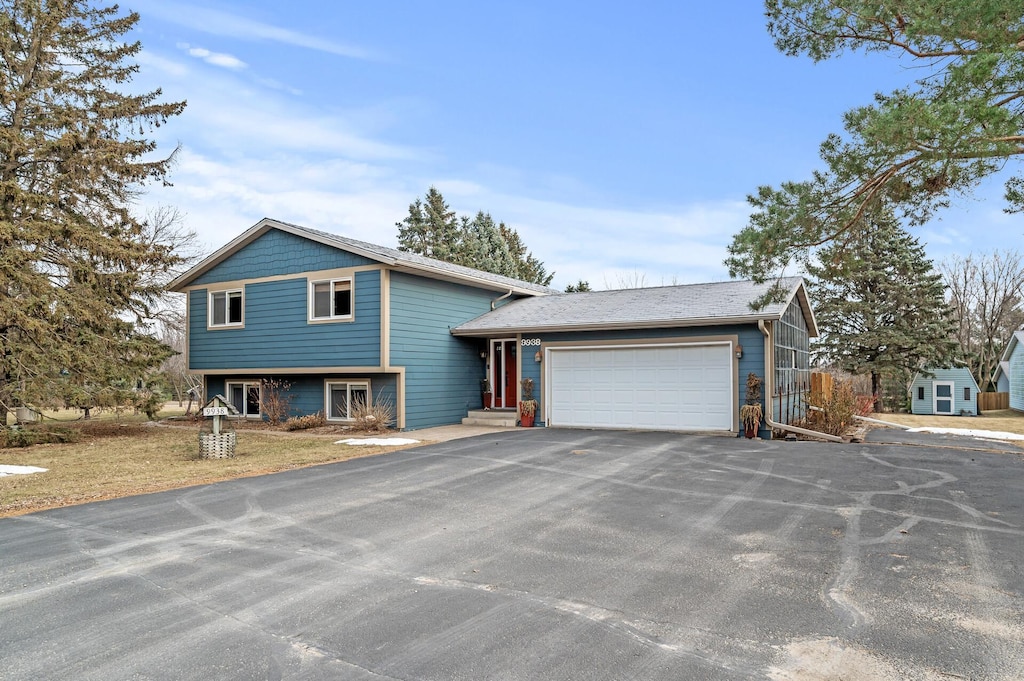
<point x="375" y="415"/>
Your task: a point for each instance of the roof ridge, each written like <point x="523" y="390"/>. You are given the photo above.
<point x="417" y="258"/>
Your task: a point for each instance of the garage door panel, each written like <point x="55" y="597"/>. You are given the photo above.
<point x="687" y="387"/>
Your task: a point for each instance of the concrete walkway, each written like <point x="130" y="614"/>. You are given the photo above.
<point x="453" y="432"/>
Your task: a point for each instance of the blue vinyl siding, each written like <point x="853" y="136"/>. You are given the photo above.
<point x="960" y="377"/>
<point x="442" y="372"/>
<point x="749" y="336"/>
<point x="307" y="392"/>
<point x="277" y="333"/>
<point x="278" y="253"/>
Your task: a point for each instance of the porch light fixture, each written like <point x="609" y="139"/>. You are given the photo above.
<point x="483" y="354"/>
<point x="739" y="351"/>
<point x="538" y="357"/>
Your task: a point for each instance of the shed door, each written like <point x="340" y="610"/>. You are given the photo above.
<point x="942" y="393"/>
<point x="661" y="387"/>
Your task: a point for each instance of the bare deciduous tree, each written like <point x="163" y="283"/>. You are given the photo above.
<point x="986" y="292"/>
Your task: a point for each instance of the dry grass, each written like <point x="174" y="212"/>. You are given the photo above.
<point x="115" y="459"/>
<point x="1004" y="420"/>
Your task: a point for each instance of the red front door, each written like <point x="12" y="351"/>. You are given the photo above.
<point x="503" y="373"/>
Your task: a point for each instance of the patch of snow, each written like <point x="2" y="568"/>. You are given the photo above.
<point x="19" y="470"/>
<point x="970" y="432"/>
<point x="378" y="441"/>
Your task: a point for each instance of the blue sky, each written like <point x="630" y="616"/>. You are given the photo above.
<point x="619" y="139"/>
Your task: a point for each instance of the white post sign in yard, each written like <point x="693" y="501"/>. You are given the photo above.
<point x="217" y="444"/>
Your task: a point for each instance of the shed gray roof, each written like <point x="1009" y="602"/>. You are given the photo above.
<point x="726" y="302"/>
<point x="401" y="260"/>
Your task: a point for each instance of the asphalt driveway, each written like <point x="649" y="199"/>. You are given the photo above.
<point x="540" y="554"/>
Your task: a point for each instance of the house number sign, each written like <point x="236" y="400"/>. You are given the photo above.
<point x="527" y="342"/>
<point x="215" y="411"/>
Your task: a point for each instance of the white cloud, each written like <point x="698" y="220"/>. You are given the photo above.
<point x="223" y="197"/>
<point x="215" y="58"/>
<point x="231" y="111"/>
<point x="251" y="151"/>
<point x="217" y="22"/>
<point x="165" y="66"/>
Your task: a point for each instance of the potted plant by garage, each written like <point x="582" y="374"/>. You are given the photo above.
<point x="528" y="405"/>
<point x="751" y="412"/>
<point x="485" y="388"/>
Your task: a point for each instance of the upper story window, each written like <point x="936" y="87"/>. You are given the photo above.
<point x="330" y="299"/>
<point x="226" y="308"/>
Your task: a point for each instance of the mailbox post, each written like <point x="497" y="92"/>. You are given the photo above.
<point x="220" y="442"/>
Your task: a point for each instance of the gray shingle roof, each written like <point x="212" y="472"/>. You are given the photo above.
<point x="383" y="254"/>
<point x="689" y="305"/>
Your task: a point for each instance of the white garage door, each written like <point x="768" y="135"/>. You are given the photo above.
<point x="680" y="387"/>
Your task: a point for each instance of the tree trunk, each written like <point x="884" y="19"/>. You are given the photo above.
<point x="876" y="391"/>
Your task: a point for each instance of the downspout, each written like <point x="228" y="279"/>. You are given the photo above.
<point x="495" y="301"/>
<point x="866" y="419"/>
<point x="769" y="376"/>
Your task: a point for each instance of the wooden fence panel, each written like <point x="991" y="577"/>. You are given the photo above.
<point x="993" y="401"/>
<point x="821" y="387"/>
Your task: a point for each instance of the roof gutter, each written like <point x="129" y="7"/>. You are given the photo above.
<point x="495" y="301"/>
<point x="604" y="326"/>
<point x="769" y="376"/>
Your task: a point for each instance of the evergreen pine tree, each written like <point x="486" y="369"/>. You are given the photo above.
<point x="527" y="267"/>
<point x="880" y="305"/>
<point x="485" y="248"/>
<point x="77" y="267"/>
<point x="432" y="229"/>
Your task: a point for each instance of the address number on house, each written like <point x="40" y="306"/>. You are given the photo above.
<point x="215" y="411"/>
<point x="527" y="342"/>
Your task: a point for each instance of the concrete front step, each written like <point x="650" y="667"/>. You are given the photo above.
<point x="497" y="418"/>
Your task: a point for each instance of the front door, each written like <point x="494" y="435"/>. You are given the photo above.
<point x="942" y="392"/>
<point x="503" y="373"/>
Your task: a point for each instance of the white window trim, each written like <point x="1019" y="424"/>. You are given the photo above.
<point x="227" y="307"/>
<point x="357" y="382"/>
<point x="246" y="384"/>
<point x="332" y="317"/>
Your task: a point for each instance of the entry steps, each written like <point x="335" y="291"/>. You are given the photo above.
<point x="499" y="418"/>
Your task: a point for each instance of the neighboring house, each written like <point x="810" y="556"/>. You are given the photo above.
<point x="341" y="320"/>
<point x="1001" y="377"/>
<point x="1013" y="361"/>
<point x="950" y="391"/>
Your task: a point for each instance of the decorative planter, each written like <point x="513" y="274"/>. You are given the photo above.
<point x="751" y="431"/>
<point x="217" y="445"/>
<point x="487" y="400"/>
<point x="526" y="420"/>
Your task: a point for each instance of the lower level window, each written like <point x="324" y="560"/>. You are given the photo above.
<point x="245" y="397"/>
<point x="343" y="398"/>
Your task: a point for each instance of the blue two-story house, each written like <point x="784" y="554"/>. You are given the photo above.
<point x="341" y="320"/>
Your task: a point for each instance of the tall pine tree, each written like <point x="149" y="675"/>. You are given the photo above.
<point x="433" y="229"/>
<point x="76" y="267"/>
<point x="880" y="305"/>
<point x="430" y="229"/>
